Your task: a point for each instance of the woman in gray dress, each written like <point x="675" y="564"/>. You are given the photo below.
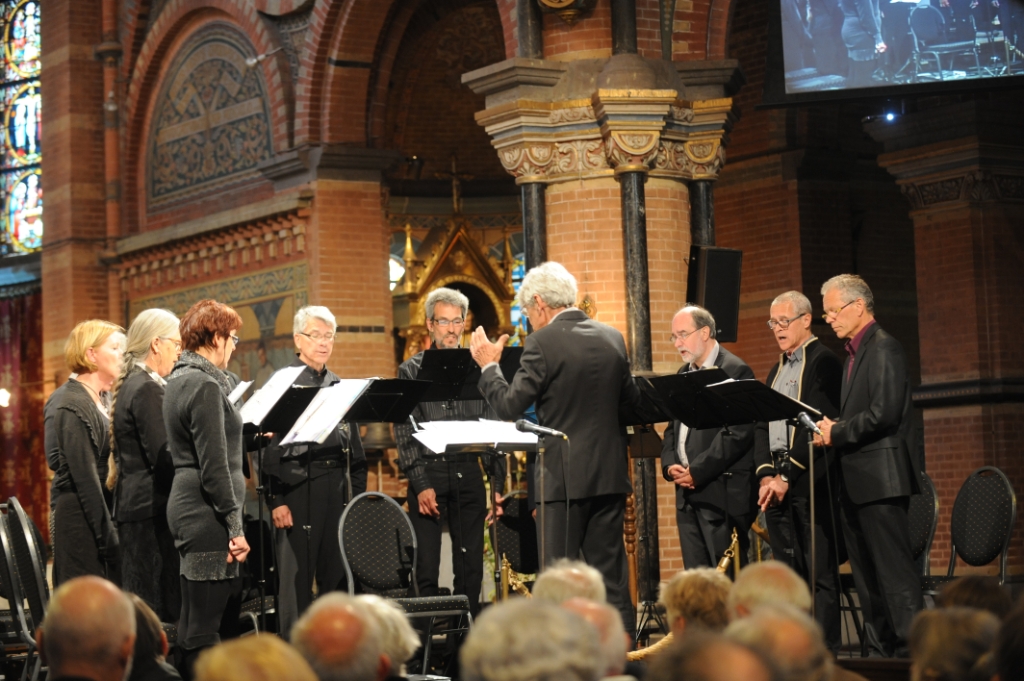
<point x="204" y="512"/>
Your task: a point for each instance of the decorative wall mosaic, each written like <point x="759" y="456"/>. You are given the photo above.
<point x="211" y="124"/>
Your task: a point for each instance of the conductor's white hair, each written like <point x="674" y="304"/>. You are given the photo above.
<point x="305" y="314"/>
<point x="851" y="287"/>
<point x="446" y="295"/>
<point x="567" y="579"/>
<point x="801" y="303"/>
<point x="530" y="640"/>
<point x="397" y="636"/>
<point x="552" y="283"/>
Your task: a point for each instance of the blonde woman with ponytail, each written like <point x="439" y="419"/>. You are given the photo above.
<point x="140" y="469"/>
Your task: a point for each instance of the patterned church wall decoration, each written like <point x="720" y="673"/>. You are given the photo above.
<point x="211" y="122"/>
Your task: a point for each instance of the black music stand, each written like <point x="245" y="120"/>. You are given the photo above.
<point x="454" y="374"/>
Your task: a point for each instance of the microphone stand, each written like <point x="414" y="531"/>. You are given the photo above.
<point x="261" y="581"/>
<point x="541" y="502"/>
<point x="814" y="526"/>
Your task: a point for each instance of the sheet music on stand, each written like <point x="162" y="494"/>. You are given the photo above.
<point x="255" y="410"/>
<point x="325" y="412"/>
<point x="239" y="390"/>
<point x="438" y="436"/>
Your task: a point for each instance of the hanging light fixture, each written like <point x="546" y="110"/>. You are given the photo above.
<point x="568" y="10"/>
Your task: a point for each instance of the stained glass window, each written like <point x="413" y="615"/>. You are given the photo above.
<point x="21" y="191"/>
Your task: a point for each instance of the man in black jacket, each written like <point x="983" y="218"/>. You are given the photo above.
<point x="877" y="472"/>
<point x="712" y="468"/>
<point x="811" y="373"/>
<point x="576" y="372"/>
<point x="310" y="485"/>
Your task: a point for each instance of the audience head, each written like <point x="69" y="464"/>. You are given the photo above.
<point x="531" y="640"/>
<point x="567" y="579"/>
<point x="615" y="641"/>
<point x="89" y="631"/>
<point x="705" y="656"/>
<point x="952" y="644"/>
<point x="340" y="640"/>
<point x="696" y="598"/>
<point x="769" y="583"/>
<point x="787" y="637"/>
<point x="397" y="636"/>
<point x="1008" y="650"/>
<point x="253" y="658"/>
<point x="150" y="639"/>
<point x="976" y="591"/>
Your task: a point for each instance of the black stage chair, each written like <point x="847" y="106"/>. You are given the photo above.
<point x="25" y="557"/>
<point x="378" y="548"/>
<point x="514" y="537"/>
<point x="983" y="516"/>
<point x="18" y="636"/>
<point x="924" y="517"/>
<point x="928" y="28"/>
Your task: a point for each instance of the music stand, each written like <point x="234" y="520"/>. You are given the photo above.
<point x="454" y="374"/>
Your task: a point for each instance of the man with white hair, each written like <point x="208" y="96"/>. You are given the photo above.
<point x="575" y="370"/>
<point x="789" y="639"/>
<point x="398" y="639"/>
<point x="88" y="633"/>
<point x="771" y="582"/>
<point x="446" y="492"/>
<point x="529" y="640"/>
<point x="567" y="579"/>
<point x="615" y="642"/>
<point x="878" y="472"/>
<point x="339" y="638"/>
<point x="309" y="486"/>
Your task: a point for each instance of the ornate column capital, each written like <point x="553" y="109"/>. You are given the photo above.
<point x="631" y="122"/>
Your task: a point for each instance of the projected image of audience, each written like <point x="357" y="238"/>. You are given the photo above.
<point x="853" y="44"/>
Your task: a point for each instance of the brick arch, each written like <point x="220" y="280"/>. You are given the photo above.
<point x="720" y="23"/>
<point x="175" y="25"/>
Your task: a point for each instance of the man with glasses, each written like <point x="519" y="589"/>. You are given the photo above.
<point x="877" y="472"/>
<point x="712" y="468"/>
<point x="811" y="373"/>
<point x="442" y="493"/>
<point x="309" y="486"/>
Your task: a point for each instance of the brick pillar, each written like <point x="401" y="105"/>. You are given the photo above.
<point x="962" y="168"/>
<point x="75" y="283"/>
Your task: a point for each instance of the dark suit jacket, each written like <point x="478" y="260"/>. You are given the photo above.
<point x="144" y="468"/>
<point x="575" y="370"/>
<point x="821" y="378"/>
<point x="870" y="436"/>
<point x="713" y="451"/>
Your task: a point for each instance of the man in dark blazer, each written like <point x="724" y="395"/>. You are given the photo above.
<point x="576" y="372"/>
<point x="712" y="468"/>
<point x="877" y="472"/>
<point x="811" y="373"/>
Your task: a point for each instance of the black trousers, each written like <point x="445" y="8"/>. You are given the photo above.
<point x="318" y="558"/>
<point x="75" y="553"/>
<point x="209" y="613"/>
<point x="592" y="528"/>
<point x="150" y="565"/>
<point x="705" y="534"/>
<point x="878" y="542"/>
<point x="789" y="528"/>
<point x="462" y="501"/>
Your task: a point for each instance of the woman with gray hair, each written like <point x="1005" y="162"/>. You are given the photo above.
<point x="141" y="471"/>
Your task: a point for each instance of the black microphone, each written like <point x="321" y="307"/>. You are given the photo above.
<point x="808" y="422"/>
<point x="525" y="426"/>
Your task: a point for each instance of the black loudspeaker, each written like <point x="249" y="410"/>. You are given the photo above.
<point x="714" y="284"/>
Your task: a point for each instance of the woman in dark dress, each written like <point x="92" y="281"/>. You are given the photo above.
<point x="75" y="433"/>
<point x="204" y="435"/>
<point x="141" y="471"/>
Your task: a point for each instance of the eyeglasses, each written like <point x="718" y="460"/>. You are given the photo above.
<point x="443" y="323"/>
<point x="684" y="335"/>
<point x="783" y="323"/>
<point x="236" y="339"/>
<point x="835" y="313"/>
<point x="317" y="338"/>
<point x="177" y="343"/>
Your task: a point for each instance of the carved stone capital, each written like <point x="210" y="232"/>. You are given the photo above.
<point x="976" y="186"/>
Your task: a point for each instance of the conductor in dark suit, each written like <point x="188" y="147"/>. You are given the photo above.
<point x="712" y="468"/>
<point x="576" y="372"/>
<point x="811" y="373"/>
<point x="877" y="471"/>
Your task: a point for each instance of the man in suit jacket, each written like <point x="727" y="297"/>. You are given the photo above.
<point x="811" y="373"/>
<point x="712" y="468"/>
<point x="877" y="471"/>
<point x="576" y="372"/>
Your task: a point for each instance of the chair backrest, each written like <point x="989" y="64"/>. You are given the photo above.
<point x="923" y="517"/>
<point x="927" y="24"/>
<point x="983" y="516"/>
<point x="378" y="544"/>
<point x="10" y="585"/>
<point x="29" y="559"/>
<point x="516" y="534"/>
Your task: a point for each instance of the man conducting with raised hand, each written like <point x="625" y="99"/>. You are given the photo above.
<point x="811" y="373"/>
<point x="442" y="492"/>
<point x="576" y="372"/>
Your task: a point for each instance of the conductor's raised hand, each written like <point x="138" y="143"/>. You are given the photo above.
<point x="483" y="350"/>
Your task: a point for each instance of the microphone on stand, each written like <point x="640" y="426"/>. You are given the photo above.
<point x="524" y="426"/>
<point x="808" y="423"/>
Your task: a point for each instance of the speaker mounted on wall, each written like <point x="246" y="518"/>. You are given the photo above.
<point x="714" y="284"/>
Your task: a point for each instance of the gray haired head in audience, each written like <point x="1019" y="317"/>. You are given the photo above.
<point x="952" y="644"/>
<point x="341" y="640"/>
<point x="398" y="637"/>
<point x="696" y="598"/>
<point x="789" y="638"/>
<point x="530" y="640"/>
<point x="608" y="622"/>
<point x="567" y="579"/>
<point x="89" y="631"/>
<point x="769" y="583"/>
<point x="706" y="656"/>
